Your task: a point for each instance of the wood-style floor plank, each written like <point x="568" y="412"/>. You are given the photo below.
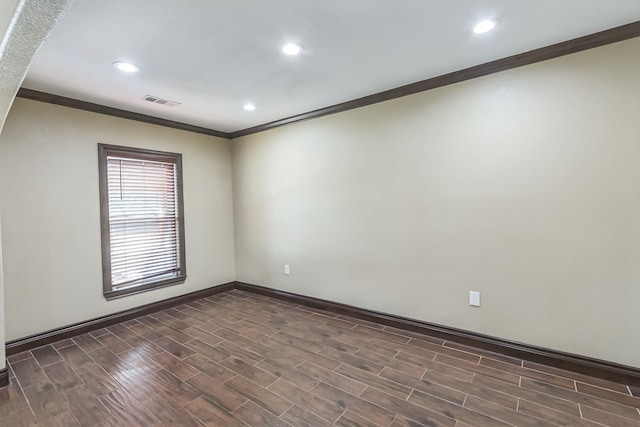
<point x="12" y="400"/>
<point x="45" y="401"/>
<point x="46" y="355"/>
<point x="74" y="356"/>
<point x="216" y="392"/>
<point x="240" y="359"/>
<point x="309" y="401"/>
<point x="301" y="417"/>
<point x="28" y="372"/>
<point x="86" y="407"/>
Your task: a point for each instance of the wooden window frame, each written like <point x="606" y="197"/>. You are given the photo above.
<point x="105" y="150"/>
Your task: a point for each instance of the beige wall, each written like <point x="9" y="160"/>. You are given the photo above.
<point x="523" y="185"/>
<point x="3" y="361"/>
<point x="7" y="90"/>
<point x="50" y="213"/>
<point x="24" y="24"/>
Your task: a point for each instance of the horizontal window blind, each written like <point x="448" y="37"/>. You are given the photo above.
<point x="143" y="220"/>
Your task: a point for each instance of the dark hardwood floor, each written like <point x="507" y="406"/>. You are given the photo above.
<point x="238" y="359"/>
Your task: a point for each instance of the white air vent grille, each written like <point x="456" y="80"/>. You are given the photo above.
<point x="161" y="101"/>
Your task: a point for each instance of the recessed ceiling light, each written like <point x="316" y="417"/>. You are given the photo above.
<point x="485" y="26"/>
<point x="291" y="49"/>
<point x="126" y="67"/>
<point x="249" y="107"/>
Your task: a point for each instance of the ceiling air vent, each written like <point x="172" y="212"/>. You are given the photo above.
<point x="161" y="101"/>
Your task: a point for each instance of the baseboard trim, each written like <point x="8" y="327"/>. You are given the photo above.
<point x="4" y="377"/>
<point x="48" y="337"/>
<point x="611" y="371"/>
<point x="571" y="362"/>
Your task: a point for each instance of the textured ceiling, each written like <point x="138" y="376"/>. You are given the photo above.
<point x="23" y="27"/>
<point x="214" y="56"/>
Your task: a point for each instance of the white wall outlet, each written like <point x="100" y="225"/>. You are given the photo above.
<point x="286" y="269"/>
<point x="474" y="298"/>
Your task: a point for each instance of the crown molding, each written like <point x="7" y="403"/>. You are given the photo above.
<point x="115" y="112"/>
<point x="568" y="47"/>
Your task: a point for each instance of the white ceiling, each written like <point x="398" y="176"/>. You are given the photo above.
<point x="213" y="56"/>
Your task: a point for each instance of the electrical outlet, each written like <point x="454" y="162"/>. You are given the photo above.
<point x="474" y="298"/>
<point x="286" y="269"/>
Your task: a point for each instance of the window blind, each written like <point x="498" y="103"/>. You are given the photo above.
<point x="143" y="220"/>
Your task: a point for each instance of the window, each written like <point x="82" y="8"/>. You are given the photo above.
<point x="142" y="219"/>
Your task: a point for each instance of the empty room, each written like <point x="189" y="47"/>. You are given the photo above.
<point x="320" y="213"/>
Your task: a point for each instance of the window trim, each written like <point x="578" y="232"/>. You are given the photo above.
<point x="105" y="150"/>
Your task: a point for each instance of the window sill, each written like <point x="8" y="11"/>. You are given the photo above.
<point x="145" y="287"/>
